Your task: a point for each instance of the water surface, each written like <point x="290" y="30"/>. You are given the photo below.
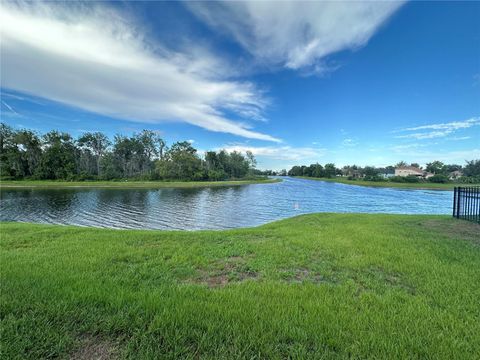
<point x="211" y="208"/>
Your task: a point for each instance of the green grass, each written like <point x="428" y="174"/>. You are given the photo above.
<point x="329" y="286"/>
<point x="128" y="184"/>
<point x="391" y="184"/>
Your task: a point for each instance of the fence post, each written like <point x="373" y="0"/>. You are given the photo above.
<point x="470" y="201"/>
<point x="454" y="200"/>
<point x="459" y="197"/>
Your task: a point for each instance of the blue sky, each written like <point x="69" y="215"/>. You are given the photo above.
<point x="351" y="83"/>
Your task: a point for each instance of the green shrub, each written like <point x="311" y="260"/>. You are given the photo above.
<point x="442" y="179"/>
<point x="399" y="179"/>
<point x="374" y="178"/>
<point x="468" y="180"/>
<point x="412" y="179"/>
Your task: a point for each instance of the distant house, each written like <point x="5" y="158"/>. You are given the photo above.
<point x="386" y="175"/>
<point x="408" y="171"/>
<point x="356" y="174"/>
<point x="455" y="174"/>
<point x="412" y="171"/>
<point x="353" y="173"/>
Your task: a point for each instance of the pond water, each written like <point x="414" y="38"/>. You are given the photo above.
<point x="211" y="208"/>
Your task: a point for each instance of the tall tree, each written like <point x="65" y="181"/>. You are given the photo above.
<point x="29" y="146"/>
<point x="472" y="168"/>
<point x="58" y="158"/>
<point x="330" y="170"/>
<point x="436" y="167"/>
<point x="97" y="143"/>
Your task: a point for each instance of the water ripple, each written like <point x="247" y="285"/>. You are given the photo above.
<point x="211" y="208"/>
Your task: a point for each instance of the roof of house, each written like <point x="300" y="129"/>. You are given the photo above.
<point x="411" y="168"/>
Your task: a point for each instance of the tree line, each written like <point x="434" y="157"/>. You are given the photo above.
<point x="25" y="154"/>
<point x="442" y="173"/>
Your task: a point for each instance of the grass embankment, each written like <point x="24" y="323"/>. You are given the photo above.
<point x="391" y="184"/>
<point x="313" y="286"/>
<point x="128" y="184"/>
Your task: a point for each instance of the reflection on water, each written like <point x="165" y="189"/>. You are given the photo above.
<point x="211" y="208"/>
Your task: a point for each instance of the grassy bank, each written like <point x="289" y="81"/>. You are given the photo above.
<point x="315" y="286"/>
<point x="127" y="184"/>
<point x="420" y="185"/>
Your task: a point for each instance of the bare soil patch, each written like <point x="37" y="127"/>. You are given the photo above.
<point x="92" y="348"/>
<point x="233" y="269"/>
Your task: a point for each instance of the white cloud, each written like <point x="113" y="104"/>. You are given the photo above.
<point x="348" y="142"/>
<point x="296" y="34"/>
<point x="459" y="138"/>
<point x="288" y="153"/>
<point x="11" y="109"/>
<point x="91" y="57"/>
<point x="454" y="125"/>
<point x="449" y="157"/>
<point x="406" y="147"/>
<point x="437" y="130"/>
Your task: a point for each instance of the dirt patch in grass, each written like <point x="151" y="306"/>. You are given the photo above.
<point x="455" y="229"/>
<point x="233" y="269"/>
<point x="92" y="348"/>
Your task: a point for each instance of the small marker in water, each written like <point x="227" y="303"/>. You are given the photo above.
<point x="296" y="206"/>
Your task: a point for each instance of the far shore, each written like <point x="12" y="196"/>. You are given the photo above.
<point x="390" y="184"/>
<point x="129" y="184"/>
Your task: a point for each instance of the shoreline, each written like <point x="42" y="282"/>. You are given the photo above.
<point x="50" y="184"/>
<point x="388" y="184"/>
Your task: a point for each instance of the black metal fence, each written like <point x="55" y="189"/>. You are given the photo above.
<point x="466" y="203"/>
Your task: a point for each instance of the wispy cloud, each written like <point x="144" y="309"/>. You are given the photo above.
<point x="349" y="142"/>
<point x="9" y="107"/>
<point x="91" y="57"/>
<point x="406" y="147"/>
<point x="426" y="156"/>
<point x="459" y="138"/>
<point x="432" y="131"/>
<point x="288" y="153"/>
<point x="296" y="35"/>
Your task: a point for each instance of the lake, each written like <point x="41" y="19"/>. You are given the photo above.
<point x="211" y="208"/>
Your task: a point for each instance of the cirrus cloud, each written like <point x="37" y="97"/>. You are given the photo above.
<point x="91" y="57"/>
<point x="293" y="34"/>
<point x="433" y="131"/>
<point x="286" y="152"/>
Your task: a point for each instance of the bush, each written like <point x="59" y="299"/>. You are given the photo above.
<point x="441" y="179"/>
<point x="468" y="180"/>
<point x="399" y="179"/>
<point x="84" y="176"/>
<point x="216" y="175"/>
<point x="405" y="179"/>
<point x="373" y="178"/>
<point x="412" y="179"/>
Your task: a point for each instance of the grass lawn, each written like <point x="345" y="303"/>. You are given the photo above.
<point x="127" y="184"/>
<point x="324" y="286"/>
<point x="426" y="185"/>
